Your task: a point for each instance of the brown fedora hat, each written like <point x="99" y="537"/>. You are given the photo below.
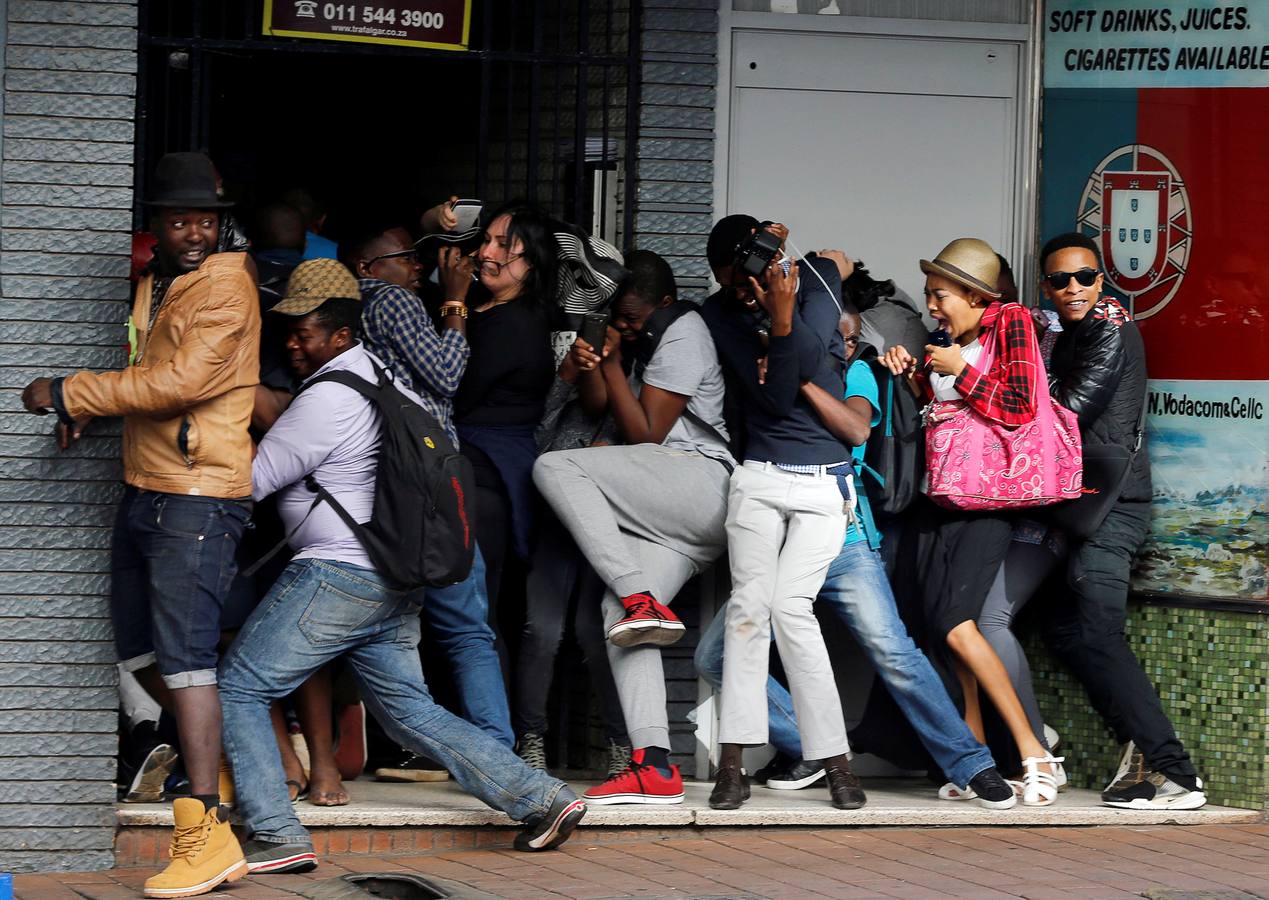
<point x="970" y="263"/>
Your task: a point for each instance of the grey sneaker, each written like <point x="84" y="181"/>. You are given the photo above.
<point x="554" y="828"/>
<point x="618" y="758"/>
<point x="1132" y="770"/>
<point x="276" y="859"/>
<point x="532" y="749"/>
<point x="1156" y="791"/>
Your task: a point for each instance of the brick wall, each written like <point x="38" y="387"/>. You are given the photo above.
<point x="66" y="189"/>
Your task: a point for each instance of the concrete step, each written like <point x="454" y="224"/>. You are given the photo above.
<point x="385" y="818"/>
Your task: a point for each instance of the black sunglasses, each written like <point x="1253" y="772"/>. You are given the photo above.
<point x="1059" y="280"/>
<point x="398" y="254"/>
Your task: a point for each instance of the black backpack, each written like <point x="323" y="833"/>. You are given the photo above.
<point x="420" y="533"/>
<point x="894" y="457"/>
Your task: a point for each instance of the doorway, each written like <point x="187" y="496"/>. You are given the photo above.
<point x="539" y="108"/>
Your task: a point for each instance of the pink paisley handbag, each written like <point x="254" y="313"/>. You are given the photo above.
<point x="977" y="464"/>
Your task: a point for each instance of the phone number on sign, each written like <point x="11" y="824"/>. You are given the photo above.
<point x="380" y="15"/>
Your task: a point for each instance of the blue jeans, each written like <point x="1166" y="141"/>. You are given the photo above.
<point x="319" y="610"/>
<point x="857" y="590"/>
<point x="173" y="558"/>
<point x="458" y="617"/>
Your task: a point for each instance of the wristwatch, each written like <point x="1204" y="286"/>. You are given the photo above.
<point x="454" y="309"/>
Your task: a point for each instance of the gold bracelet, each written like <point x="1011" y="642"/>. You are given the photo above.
<point x="454" y="309"/>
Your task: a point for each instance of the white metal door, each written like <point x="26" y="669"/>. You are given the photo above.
<point x="884" y="146"/>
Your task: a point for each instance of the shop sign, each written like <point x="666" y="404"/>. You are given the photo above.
<point x="442" y="24"/>
<point x="1138" y="43"/>
<point x="1155" y="124"/>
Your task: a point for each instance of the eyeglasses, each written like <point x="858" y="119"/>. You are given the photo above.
<point x="1059" y="280"/>
<point x="410" y="255"/>
<point x="497" y="267"/>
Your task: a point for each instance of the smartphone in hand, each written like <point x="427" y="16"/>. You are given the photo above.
<point x="940" y="338"/>
<point x="467" y="214"/>
<point x="594" y="329"/>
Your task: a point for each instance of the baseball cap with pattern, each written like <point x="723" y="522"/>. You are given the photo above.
<point x="313" y="282"/>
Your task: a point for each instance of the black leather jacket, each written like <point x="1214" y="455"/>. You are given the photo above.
<point x="1098" y="371"/>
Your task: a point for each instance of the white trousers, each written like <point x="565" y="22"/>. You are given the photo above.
<point x="783" y="532"/>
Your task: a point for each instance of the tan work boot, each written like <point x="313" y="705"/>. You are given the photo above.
<point x="204" y="853"/>
<point x="225" y="782"/>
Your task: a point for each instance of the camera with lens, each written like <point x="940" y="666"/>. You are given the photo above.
<point x="756" y="251"/>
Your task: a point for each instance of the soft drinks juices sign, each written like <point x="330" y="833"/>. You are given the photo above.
<point x="1156" y="120"/>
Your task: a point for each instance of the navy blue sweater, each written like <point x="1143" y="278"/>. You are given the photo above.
<point x="779" y="425"/>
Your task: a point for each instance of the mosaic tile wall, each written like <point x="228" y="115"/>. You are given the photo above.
<point x="1212" y="671"/>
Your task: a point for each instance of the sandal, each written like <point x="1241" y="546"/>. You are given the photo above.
<point x="300" y="791"/>
<point x="1039" y="787"/>
<point x="950" y="791"/>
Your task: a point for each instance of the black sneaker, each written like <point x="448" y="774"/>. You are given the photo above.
<point x="779" y="764"/>
<point x="554" y="828"/>
<point x="412" y="768"/>
<point x="992" y="791"/>
<point x="1156" y="791"/>
<point x="802" y="774"/>
<point x="151" y="774"/>
<point x="264" y="858"/>
<point x="1132" y="770"/>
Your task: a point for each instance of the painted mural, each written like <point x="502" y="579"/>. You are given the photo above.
<point x="1209" y="456"/>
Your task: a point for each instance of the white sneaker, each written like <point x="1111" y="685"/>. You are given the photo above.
<point x="1156" y="791"/>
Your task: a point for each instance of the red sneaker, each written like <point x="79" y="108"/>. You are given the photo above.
<point x="638" y="784"/>
<point x="646" y="622"/>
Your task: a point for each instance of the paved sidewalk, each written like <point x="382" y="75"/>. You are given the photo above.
<point x="1212" y="862"/>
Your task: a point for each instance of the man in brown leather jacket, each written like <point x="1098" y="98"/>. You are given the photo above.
<point x="186" y="399"/>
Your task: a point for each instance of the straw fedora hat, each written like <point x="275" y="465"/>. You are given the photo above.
<point x="970" y="263"/>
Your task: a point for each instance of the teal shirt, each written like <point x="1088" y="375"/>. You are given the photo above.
<point x="861" y="383"/>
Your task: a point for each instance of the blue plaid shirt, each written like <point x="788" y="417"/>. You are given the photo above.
<point x="398" y="330"/>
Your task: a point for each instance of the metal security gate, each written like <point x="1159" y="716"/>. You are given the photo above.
<point x="542" y="107"/>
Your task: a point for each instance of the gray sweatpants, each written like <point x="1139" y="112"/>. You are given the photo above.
<point x="647" y="519"/>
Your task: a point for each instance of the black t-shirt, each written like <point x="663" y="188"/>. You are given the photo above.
<point x="511" y="368"/>
<point x="274" y="270"/>
<point x="779" y="424"/>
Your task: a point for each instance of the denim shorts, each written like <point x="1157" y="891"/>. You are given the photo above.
<point x="173" y="558"/>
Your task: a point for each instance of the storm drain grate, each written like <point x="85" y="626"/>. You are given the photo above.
<point x="386" y="885"/>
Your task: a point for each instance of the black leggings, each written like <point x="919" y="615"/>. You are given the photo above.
<point x="560" y="579"/>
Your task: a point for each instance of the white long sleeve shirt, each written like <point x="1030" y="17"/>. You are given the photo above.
<point x="331" y="432"/>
